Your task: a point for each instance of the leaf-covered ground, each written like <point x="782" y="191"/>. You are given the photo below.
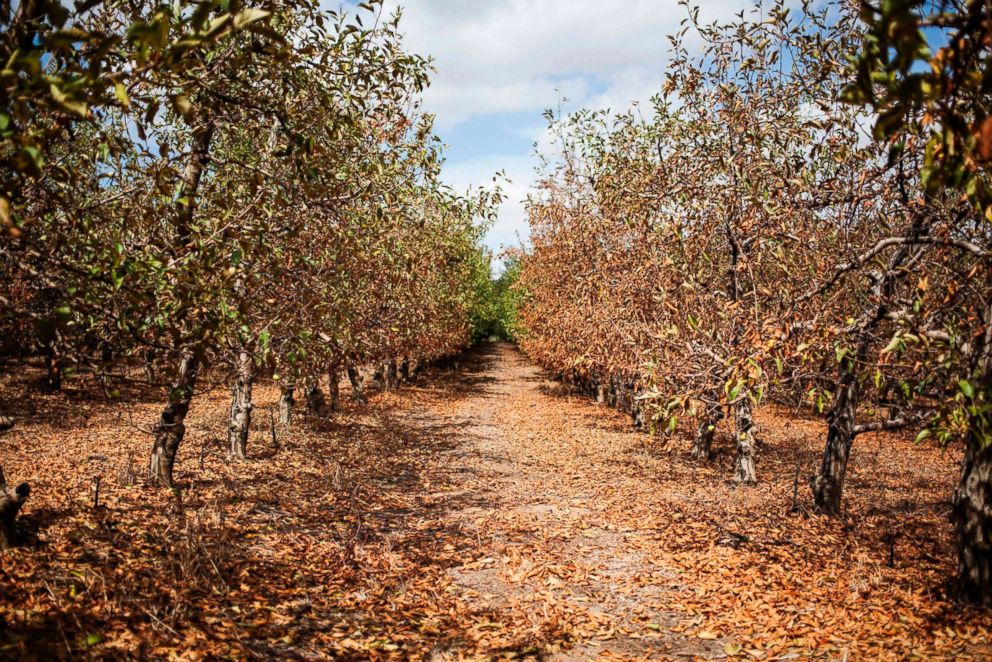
<point x="480" y="512"/>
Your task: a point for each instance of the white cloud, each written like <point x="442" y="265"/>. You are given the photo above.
<point x="511" y="227"/>
<point x="511" y="55"/>
<point x="523" y="56"/>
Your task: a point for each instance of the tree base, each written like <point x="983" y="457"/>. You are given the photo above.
<point x="11" y="500"/>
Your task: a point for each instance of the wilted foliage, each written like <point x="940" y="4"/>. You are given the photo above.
<point x="757" y="236"/>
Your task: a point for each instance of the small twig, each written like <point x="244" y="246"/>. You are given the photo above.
<point x="272" y="430"/>
<point x="158" y="620"/>
<point x="795" y="488"/>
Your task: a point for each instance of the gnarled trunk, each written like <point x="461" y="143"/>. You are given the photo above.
<point x="170" y="429"/>
<point x="744" y="467"/>
<point x="405" y="369"/>
<point x="702" y="446"/>
<point x="171" y="426"/>
<point x="286" y="402"/>
<point x="357" y="393"/>
<point x="241" y="407"/>
<point x="828" y="486"/>
<point x="972" y="512"/>
<point x="973" y="522"/>
<point x="334" y="388"/>
<point x="11" y="500"/>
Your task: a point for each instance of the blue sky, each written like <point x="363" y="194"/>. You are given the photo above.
<point x="501" y="63"/>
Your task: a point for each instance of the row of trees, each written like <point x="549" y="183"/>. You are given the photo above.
<point x="227" y="186"/>
<point x="787" y="225"/>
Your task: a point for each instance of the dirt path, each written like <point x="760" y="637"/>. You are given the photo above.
<point x="549" y="548"/>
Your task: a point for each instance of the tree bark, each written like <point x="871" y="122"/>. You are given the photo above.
<point x="53" y="366"/>
<point x="744" y="469"/>
<point x="828" y="486"/>
<point x="334" y="388"/>
<point x="11" y="500"/>
<point x="405" y="369"/>
<point x="149" y="366"/>
<point x="171" y="427"/>
<point x="702" y="447"/>
<point x="637" y="413"/>
<point x="286" y="402"/>
<point x="973" y="522"/>
<point x="357" y="393"/>
<point x="379" y="377"/>
<point x="316" y="404"/>
<point x="241" y="406"/>
<point x="972" y="512"/>
<point x="392" y="374"/>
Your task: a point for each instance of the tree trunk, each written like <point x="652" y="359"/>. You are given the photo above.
<point x="53" y="366"/>
<point x="972" y="512"/>
<point x="379" y="377"/>
<point x="286" y="402"/>
<point x="973" y="522"/>
<point x="11" y="500"/>
<point x="241" y="407"/>
<point x="828" y="486"/>
<point x="356" y="384"/>
<point x="392" y="374"/>
<point x="702" y="447"/>
<point x="316" y="405"/>
<point x="171" y="427"/>
<point x="149" y="367"/>
<point x="637" y="413"/>
<point x="334" y="388"/>
<point x="405" y="369"/>
<point x="744" y="470"/>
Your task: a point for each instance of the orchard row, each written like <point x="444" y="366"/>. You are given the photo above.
<point x="802" y="216"/>
<point x="226" y="189"/>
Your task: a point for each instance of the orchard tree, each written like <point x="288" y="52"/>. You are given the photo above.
<point x="925" y="70"/>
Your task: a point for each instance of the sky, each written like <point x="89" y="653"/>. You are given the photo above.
<point x="501" y="63"/>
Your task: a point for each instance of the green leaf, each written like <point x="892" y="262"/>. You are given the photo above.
<point x="121" y="93"/>
<point x="966" y="388"/>
<point x="893" y="344"/>
<point x="249" y="16"/>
